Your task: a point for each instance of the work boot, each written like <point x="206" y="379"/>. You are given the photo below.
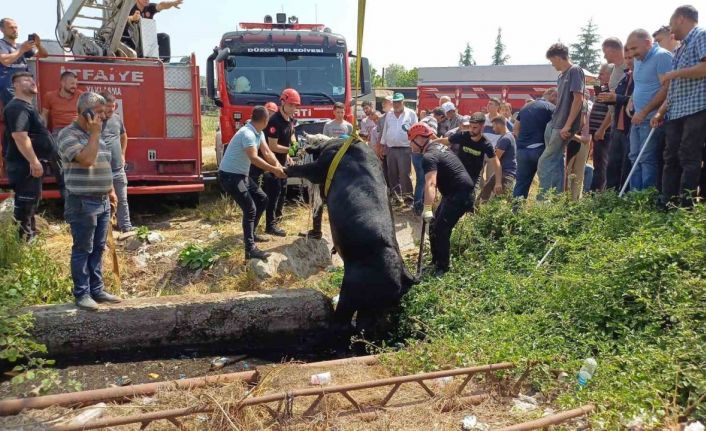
<point x="103" y="297"/>
<point x="85" y="302"/>
<point x="276" y="231"/>
<point x="312" y="234"/>
<point x="256" y="253"/>
<point x="259" y="238"/>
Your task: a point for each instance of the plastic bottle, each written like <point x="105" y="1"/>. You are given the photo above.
<point x="587" y="371"/>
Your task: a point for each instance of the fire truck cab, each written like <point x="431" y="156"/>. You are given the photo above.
<point x="253" y="66"/>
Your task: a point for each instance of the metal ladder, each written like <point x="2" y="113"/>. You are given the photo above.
<point x="111" y="14"/>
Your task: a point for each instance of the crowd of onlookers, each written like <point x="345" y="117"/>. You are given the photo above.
<point x="642" y="126"/>
<point x="77" y="137"/>
<point x="653" y="85"/>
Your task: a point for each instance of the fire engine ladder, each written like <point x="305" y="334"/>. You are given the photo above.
<point x="110" y="17"/>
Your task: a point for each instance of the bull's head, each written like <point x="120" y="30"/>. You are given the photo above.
<point x="316" y="143"/>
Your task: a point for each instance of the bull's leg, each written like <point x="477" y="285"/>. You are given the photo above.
<point x="314" y="172"/>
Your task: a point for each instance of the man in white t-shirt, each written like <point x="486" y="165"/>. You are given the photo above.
<point x="399" y="154"/>
<point x="338" y="126"/>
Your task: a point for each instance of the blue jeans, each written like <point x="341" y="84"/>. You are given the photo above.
<point x="551" y="164"/>
<point x="588" y="174"/>
<point x="645" y="175"/>
<point x="419" y="186"/>
<point x="123" y="212"/>
<point x="88" y="217"/>
<point x="527" y="159"/>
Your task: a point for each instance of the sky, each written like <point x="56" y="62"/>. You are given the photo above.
<point x="413" y="33"/>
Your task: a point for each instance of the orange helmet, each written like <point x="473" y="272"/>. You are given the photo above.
<point x="419" y="129"/>
<point x="271" y="106"/>
<point x="290" y="95"/>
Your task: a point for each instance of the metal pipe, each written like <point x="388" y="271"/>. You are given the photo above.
<point x="13" y="407"/>
<point x="551" y="420"/>
<point x="634" y="165"/>
<point x="321" y="391"/>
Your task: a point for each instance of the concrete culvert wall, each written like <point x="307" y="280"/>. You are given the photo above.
<point x="246" y="321"/>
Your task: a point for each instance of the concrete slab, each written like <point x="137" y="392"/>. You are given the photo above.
<point x="245" y="321"/>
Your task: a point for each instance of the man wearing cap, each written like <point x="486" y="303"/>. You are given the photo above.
<point x="442" y="170"/>
<point x="279" y="131"/>
<point x="399" y="154"/>
<point x="453" y="120"/>
<point x="272" y="108"/>
<point x="471" y="147"/>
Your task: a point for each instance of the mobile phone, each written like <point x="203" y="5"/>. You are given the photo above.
<point x="88" y="114"/>
<point x="597" y="89"/>
<point x="31" y="37"/>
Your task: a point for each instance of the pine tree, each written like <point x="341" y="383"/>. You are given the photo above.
<point x="583" y="52"/>
<point x="499" y="56"/>
<point x="465" y="58"/>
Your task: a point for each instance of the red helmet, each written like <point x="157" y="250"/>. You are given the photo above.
<point x="290" y="95"/>
<point x="271" y="106"/>
<point x="419" y="129"/>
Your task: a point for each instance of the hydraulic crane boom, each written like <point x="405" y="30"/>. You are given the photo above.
<point x="111" y="17"/>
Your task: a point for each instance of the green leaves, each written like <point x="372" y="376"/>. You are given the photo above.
<point x="195" y="257"/>
<point x="625" y="284"/>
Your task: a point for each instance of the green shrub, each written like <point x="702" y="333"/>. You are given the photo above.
<point x="195" y="257"/>
<point x="624" y="283"/>
<point x="28" y="276"/>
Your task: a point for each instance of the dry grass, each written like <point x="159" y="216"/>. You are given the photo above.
<point x="209" y="123"/>
<point x="409" y="409"/>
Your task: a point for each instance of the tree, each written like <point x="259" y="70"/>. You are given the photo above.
<point x="408" y="78"/>
<point x="392" y="74"/>
<point x="465" y="58"/>
<point x="583" y="52"/>
<point x="499" y="56"/>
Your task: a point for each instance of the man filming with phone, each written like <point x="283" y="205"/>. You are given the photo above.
<point x="13" y="56"/>
<point x="89" y="194"/>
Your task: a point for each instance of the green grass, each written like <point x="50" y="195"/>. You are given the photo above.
<point x="625" y="284"/>
<point x="28" y="276"/>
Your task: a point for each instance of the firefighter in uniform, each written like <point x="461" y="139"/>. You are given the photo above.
<point x="279" y="133"/>
<point x="444" y="171"/>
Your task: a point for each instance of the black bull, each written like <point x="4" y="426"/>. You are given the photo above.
<point x="375" y="277"/>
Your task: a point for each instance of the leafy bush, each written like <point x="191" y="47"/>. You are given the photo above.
<point x="28" y="276"/>
<point x="195" y="257"/>
<point x="625" y="284"/>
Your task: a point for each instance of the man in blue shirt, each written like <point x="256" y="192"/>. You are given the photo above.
<point x="13" y="57"/>
<point x="650" y="62"/>
<point x="233" y="175"/>
<point x="685" y="110"/>
<point x="529" y="129"/>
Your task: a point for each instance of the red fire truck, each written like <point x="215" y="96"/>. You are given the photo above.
<point x="470" y="87"/>
<point x="255" y="64"/>
<point x="158" y="99"/>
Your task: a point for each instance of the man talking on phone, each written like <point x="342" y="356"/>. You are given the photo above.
<point x="13" y="56"/>
<point x="89" y="194"/>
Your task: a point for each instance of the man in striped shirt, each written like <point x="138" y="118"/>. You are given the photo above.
<point x="89" y="193"/>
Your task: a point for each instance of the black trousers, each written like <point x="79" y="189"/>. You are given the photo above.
<point x="601" y="151"/>
<point x="683" y="154"/>
<point x="250" y="198"/>
<point x="276" y="191"/>
<point x="618" y="166"/>
<point x="28" y="193"/>
<point x="447" y="214"/>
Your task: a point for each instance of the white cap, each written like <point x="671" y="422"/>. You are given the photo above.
<point x="448" y="106"/>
